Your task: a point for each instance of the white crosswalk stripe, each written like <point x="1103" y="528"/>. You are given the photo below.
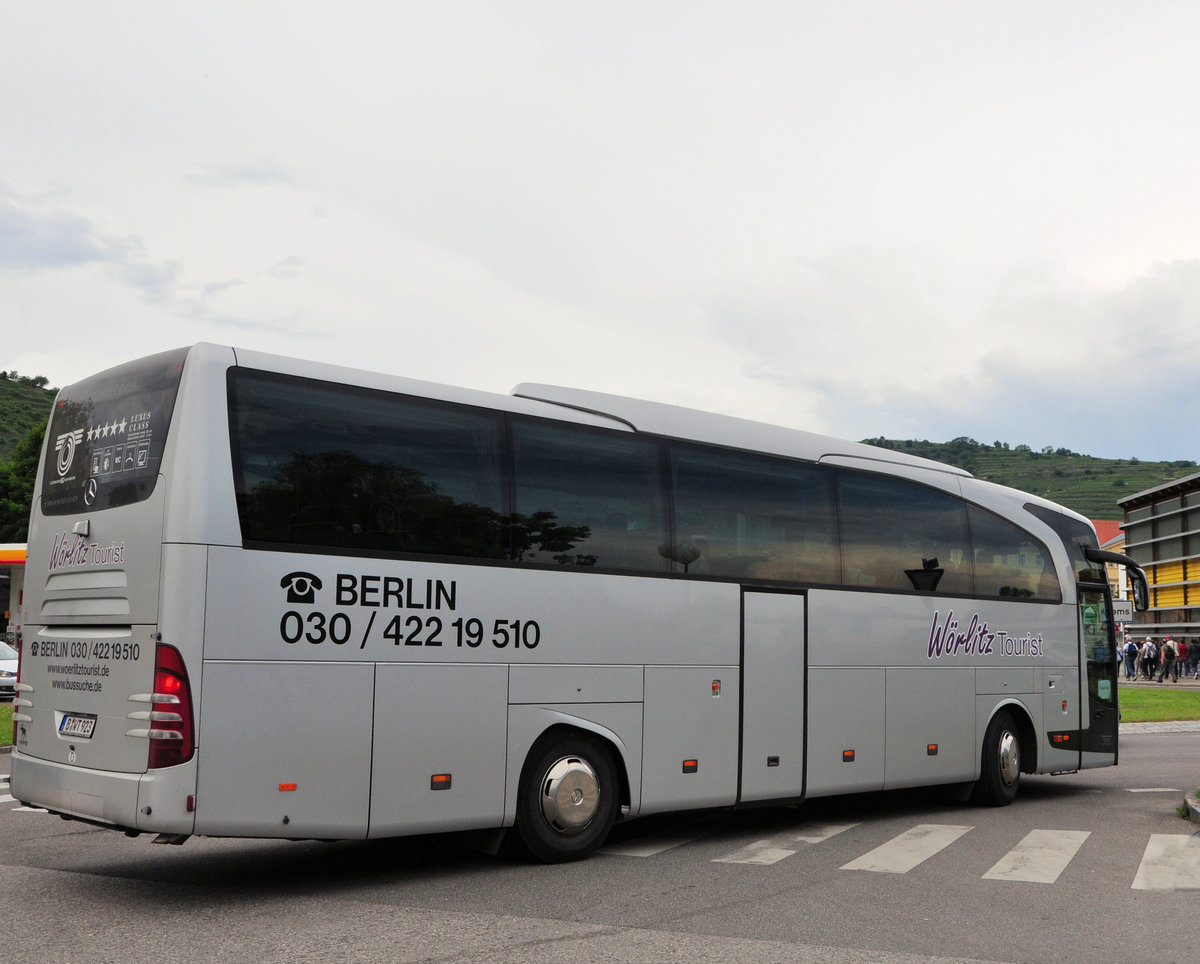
<point x="819" y="833"/>
<point x="649" y="847"/>
<point x="771" y="851"/>
<point x="1171" y="862"/>
<point x="1040" y="858"/>
<point x="761" y="852"/>
<point x="901" y="854"/>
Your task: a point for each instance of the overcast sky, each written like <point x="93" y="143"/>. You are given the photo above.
<point x="907" y="219"/>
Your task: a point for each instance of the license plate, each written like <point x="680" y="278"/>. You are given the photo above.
<point x="77" y="724"/>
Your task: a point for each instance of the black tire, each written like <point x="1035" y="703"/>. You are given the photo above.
<point x="1000" y="763"/>
<point x="567" y="800"/>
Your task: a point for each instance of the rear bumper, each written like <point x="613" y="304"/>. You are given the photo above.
<point x="154" y="802"/>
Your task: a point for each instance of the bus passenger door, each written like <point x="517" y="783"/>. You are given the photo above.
<point x="1100" y="717"/>
<point x="774" y="657"/>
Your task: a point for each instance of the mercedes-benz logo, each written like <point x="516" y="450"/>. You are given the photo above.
<point x="90" y="490"/>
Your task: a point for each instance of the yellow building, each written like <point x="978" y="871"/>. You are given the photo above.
<point x="1162" y="532"/>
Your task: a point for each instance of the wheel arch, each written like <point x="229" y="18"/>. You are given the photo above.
<point x="615" y="727"/>
<point x="609" y="740"/>
<point x="1026" y="731"/>
<point x="569" y="795"/>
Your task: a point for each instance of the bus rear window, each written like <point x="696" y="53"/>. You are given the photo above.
<point x="107" y="434"/>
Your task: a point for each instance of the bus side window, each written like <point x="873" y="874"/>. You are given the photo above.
<point x="754" y="517"/>
<point x="324" y="465"/>
<point x="1009" y="561"/>
<point x="586" y="497"/>
<point x="898" y="534"/>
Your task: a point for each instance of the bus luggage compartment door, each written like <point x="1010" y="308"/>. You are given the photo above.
<point x="285" y="749"/>
<point x="439" y="747"/>
<point x="774" y="657"/>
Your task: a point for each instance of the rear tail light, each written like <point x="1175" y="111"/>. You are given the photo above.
<point x="171" y="734"/>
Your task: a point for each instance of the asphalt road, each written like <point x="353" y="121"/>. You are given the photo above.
<point x="1090" y="867"/>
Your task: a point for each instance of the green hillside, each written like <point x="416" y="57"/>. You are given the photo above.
<point x="1090" y="486"/>
<point x="24" y="405"/>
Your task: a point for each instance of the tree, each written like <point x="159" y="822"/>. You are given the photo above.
<point x="17" y="481"/>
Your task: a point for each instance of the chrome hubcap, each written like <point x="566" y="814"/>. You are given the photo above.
<point x="570" y="795"/>
<point x="1010" y="757"/>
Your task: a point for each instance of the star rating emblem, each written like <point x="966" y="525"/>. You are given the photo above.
<point x="108" y="428"/>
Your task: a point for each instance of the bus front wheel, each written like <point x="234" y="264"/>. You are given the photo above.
<point x="567" y="799"/>
<point x="1000" y="771"/>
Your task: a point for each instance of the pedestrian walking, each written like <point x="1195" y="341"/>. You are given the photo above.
<point x="1129" y="651"/>
<point x="1182" y="659"/>
<point x="1167" y="656"/>
<point x="1149" y="659"/>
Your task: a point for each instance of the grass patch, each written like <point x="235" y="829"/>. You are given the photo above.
<point x="5" y="724"/>
<point x="1148" y="704"/>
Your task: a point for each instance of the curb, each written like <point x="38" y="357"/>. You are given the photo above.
<point x="1192" y="804"/>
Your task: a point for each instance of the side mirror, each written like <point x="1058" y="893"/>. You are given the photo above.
<point x="1141" y="590"/>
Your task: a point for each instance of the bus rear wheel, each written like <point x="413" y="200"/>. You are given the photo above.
<point x="1000" y="770"/>
<point x="567" y="800"/>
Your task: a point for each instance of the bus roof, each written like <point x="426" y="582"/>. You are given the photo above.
<point x="600" y="408"/>
<point x="673" y="421"/>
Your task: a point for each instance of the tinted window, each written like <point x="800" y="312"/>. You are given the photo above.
<point x="752" y="517"/>
<point x="107" y="435"/>
<point x="898" y="534"/>
<point x="1009" y="561"/>
<point x="322" y="465"/>
<point x="1077" y="536"/>
<point x="586" y="497"/>
<point x="319" y="464"/>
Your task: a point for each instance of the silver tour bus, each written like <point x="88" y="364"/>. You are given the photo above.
<point x="276" y="598"/>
